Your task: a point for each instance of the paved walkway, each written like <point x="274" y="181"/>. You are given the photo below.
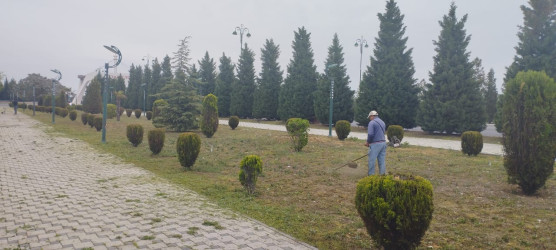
<point x="488" y="148"/>
<point x="58" y="193"/>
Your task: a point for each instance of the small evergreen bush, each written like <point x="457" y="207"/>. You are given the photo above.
<point x="188" y="147"/>
<point x="137" y="113"/>
<point x="98" y="123"/>
<point x="128" y="112"/>
<point x="471" y="142"/>
<point x="250" y="168"/>
<point x="63" y="112"/>
<point x="343" y="128"/>
<point x="394" y="130"/>
<point x="396" y="210"/>
<point x="149" y="115"/>
<point x="156" y="140"/>
<point x="135" y="134"/>
<point x="209" y="114"/>
<point x="233" y="122"/>
<point x="73" y="115"/>
<point x="110" y="110"/>
<point x="298" y="129"/>
<point x="84" y="118"/>
<point x="91" y="120"/>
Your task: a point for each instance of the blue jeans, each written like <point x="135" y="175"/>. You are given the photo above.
<point x="377" y="150"/>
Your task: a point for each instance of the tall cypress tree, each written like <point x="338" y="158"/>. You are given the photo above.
<point x="536" y="49"/>
<point x="224" y="83"/>
<point x="491" y="96"/>
<point x="157" y="82"/>
<point x="243" y="89"/>
<point x="207" y="73"/>
<point x="296" y="95"/>
<point x="453" y="101"/>
<point x="147" y="81"/>
<point x="342" y="94"/>
<point x="92" y="101"/>
<point x="134" y="92"/>
<point x="166" y="68"/>
<point x="388" y="85"/>
<point x="265" y="103"/>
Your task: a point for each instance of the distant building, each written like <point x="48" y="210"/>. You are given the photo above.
<point x="85" y="80"/>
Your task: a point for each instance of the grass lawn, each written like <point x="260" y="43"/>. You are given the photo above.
<point x="301" y="193"/>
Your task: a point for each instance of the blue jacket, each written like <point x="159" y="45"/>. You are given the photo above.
<point x="375" y="131"/>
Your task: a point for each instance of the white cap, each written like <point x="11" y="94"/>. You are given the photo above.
<point x="374" y="113"/>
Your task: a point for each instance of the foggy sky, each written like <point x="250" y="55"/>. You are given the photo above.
<point x="39" y="35"/>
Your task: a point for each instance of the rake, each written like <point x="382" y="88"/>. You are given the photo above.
<point x="351" y="164"/>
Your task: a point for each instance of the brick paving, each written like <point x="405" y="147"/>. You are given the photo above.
<point x="59" y="193"/>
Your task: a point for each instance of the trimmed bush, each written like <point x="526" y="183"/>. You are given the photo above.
<point x="471" y="142"/>
<point x="188" y="147"/>
<point x="149" y="115"/>
<point x="91" y="120"/>
<point x="298" y="129"/>
<point x="156" y="140"/>
<point x="250" y="168"/>
<point x="209" y="115"/>
<point x="396" y="210"/>
<point x="98" y="123"/>
<point x="394" y="130"/>
<point x="63" y="112"/>
<point x="110" y="110"/>
<point x="84" y="118"/>
<point x="135" y="134"/>
<point x="137" y="113"/>
<point x="128" y="112"/>
<point x="233" y="122"/>
<point x="342" y="128"/>
<point x="73" y="115"/>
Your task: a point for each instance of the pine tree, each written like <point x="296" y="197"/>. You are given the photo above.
<point x="134" y="91"/>
<point x="453" y="101"/>
<point x="166" y="68"/>
<point x="296" y="95"/>
<point x="181" y="59"/>
<point x="265" y="103"/>
<point x="147" y="82"/>
<point x="207" y="73"/>
<point x="388" y="85"/>
<point x="241" y="103"/>
<point x="157" y="82"/>
<point x="536" y="49"/>
<point x="335" y="69"/>
<point x="92" y="101"/>
<point x="491" y="96"/>
<point x="5" y="94"/>
<point x="224" y="84"/>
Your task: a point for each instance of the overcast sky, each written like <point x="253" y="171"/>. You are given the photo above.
<point x="38" y="35"/>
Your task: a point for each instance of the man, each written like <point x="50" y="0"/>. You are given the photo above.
<point x="376" y="143"/>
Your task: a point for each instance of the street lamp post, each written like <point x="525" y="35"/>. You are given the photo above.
<point x="330" y="112"/>
<point x="144" y="85"/>
<point x="361" y="43"/>
<point x="33" y="100"/>
<point x="54" y="93"/>
<point x="116" y="51"/>
<point x="241" y="30"/>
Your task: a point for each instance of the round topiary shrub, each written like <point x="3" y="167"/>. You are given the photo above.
<point x="250" y="168"/>
<point x="137" y="113"/>
<point x="188" y="147"/>
<point x="209" y="115"/>
<point x="98" y="123"/>
<point x="135" y="134"/>
<point x="149" y="115"/>
<point x="84" y="118"/>
<point x="233" y="122"/>
<point x="343" y="128"/>
<point x="73" y="115"/>
<point x="156" y="140"/>
<point x="471" y="142"/>
<point x="396" y="210"/>
<point x="394" y="130"/>
<point x="64" y="112"/>
<point x="91" y="120"/>
<point x="128" y="112"/>
<point x="298" y="129"/>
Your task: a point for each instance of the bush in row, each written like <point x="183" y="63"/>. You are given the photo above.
<point x="342" y="128"/>
<point x="97" y="122"/>
<point x="188" y="147"/>
<point x="156" y="140"/>
<point x="298" y="129"/>
<point x="135" y="134"/>
<point x="128" y="112"/>
<point x="471" y="142"/>
<point x="394" y="130"/>
<point x="250" y="168"/>
<point x="149" y="115"/>
<point x="91" y="120"/>
<point x="137" y="113"/>
<point x="84" y="118"/>
<point x="73" y="115"/>
<point x="233" y="122"/>
<point x="209" y="115"/>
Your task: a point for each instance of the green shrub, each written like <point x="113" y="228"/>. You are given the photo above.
<point x="188" y="147"/>
<point x="110" y="110"/>
<point x="91" y="120"/>
<point x="84" y="118"/>
<point x="396" y="210"/>
<point x="63" y="112"/>
<point x="394" y="130"/>
<point x="70" y="107"/>
<point x="156" y="140"/>
<point x="471" y="142"/>
<point x="137" y="113"/>
<point x="209" y="115"/>
<point x="343" y="128"/>
<point x="233" y="122"/>
<point x="128" y="112"/>
<point x="250" y="168"/>
<point x="149" y="115"/>
<point x="135" y="134"/>
<point x="157" y="106"/>
<point x="529" y="129"/>
<point x="98" y="123"/>
<point x="22" y="105"/>
<point x="298" y="129"/>
<point x="73" y="115"/>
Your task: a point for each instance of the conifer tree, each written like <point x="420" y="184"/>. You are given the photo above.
<point x="166" y="68"/>
<point x="207" y="73"/>
<point x="5" y="94"/>
<point x="241" y="103"/>
<point x="92" y="101"/>
<point x="388" y="85"/>
<point x="157" y="82"/>
<point x="224" y="84"/>
<point x="265" y="103"/>
<point x="296" y="95"/>
<point x="335" y="69"/>
<point x="147" y="81"/>
<point x="491" y="96"/>
<point x="453" y="101"/>
<point x="134" y="92"/>
<point x="180" y="61"/>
